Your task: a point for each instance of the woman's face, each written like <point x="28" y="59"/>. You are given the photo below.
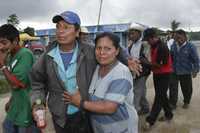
<point x="105" y="51"/>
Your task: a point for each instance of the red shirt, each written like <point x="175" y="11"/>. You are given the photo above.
<point x="165" y="68"/>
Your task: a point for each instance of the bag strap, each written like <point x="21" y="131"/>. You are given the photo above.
<point x="129" y="48"/>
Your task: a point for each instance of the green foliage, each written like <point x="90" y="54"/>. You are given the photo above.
<point x="30" y="31"/>
<point x="175" y="25"/>
<point x="4" y="86"/>
<point x="13" y="19"/>
<point x="194" y="35"/>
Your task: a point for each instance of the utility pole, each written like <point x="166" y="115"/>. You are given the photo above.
<point x="101" y="2"/>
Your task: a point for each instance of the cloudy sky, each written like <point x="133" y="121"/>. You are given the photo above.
<point x="157" y="13"/>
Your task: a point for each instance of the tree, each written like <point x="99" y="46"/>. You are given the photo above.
<point x="13" y="19"/>
<point x="175" y="25"/>
<point x="30" y="31"/>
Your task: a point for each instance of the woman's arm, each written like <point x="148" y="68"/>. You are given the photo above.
<point x="107" y="107"/>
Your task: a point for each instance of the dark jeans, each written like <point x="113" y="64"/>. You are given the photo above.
<point x="76" y="123"/>
<point x="186" y="88"/>
<point x="161" y="82"/>
<point x="10" y="127"/>
<point x="173" y="89"/>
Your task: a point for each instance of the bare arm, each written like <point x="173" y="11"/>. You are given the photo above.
<point x="105" y="107"/>
<point x="11" y="78"/>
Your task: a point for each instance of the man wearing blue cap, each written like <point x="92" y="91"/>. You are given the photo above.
<point x="67" y="65"/>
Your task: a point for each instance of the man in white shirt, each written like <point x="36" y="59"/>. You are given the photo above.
<point x="138" y="49"/>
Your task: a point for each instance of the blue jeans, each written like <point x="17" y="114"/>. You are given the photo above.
<point x="10" y="127"/>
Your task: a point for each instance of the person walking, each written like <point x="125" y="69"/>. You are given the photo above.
<point x="161" y="64"/>
<point x="186" y="65"/>
<point x="110" y="91"/>
<point x="140" y="50"/>
<point x="16" y="63"/>
<point x="67" y="65"/>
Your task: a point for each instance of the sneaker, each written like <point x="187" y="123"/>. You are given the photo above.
<point x="143" y="112"/>
<point x="173" y="107"/>
<point x="185" y="106"/>
<point x="147" y="126"/>
<point x="163" y="118"/>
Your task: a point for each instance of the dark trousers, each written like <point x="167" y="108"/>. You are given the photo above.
<point x="10" y="127"/>
<point x="173" y="89"/>
<point x="161" y="82"/>
<point x="186" y="88"/>
<point x="76" y="123"/>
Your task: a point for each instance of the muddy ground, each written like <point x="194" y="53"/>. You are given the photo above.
<point x="185" y="120"/>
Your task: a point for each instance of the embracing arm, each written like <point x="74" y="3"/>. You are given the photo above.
<point x="17" y="75"/>
<point x="104" y="107"/>
<point x="38" y="81"/>
<point x="12" y="79"/>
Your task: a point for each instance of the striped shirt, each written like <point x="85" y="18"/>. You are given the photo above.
<point x="117" y="87"/>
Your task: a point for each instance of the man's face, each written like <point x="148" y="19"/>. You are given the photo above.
<point x="151" y="41"/>
<point x="84" y="37"/>
<point x="66" y="33"/>
<point x="180" y="39"/>
<point x="134" y="35"/>
<point x="6" y="45"/>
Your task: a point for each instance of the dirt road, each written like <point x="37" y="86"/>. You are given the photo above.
<point x="185" y="120"/>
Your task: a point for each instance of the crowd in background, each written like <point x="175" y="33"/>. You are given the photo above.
<point x="95" y="89"/>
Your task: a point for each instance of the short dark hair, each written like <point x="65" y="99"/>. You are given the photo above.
<point x="114" y="38"/>
<point x="149" y="33"/>
<point x="77" y="26"/>
<point x="9" y="32"/>
<point x="181" y="32"/>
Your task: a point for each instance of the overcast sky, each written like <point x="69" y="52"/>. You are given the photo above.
<point x="157" y="13"/>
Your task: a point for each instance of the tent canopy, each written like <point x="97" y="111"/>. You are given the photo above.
<point x="25" y="36"/>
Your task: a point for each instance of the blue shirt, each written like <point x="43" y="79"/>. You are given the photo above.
<point x="67" y="72"/>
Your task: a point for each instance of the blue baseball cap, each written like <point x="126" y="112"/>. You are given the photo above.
<point x="68" y="16"/>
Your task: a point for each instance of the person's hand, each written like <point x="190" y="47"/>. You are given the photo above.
<point x="3" y="55"/>
<point x="194" y="74"/>
<point x="72" y="98"/>
<point x="7" y="106"/>
<point x="134" y="65"/>
<point x="35" y="117"/>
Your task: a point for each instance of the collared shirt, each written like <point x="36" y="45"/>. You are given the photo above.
<point x="135" y="50"/>
<point x="169" y="43"/>
<point x="117" y="87"/>
<point x="68" y="76"/>
<point x="179" y="47"/>
<point x="20" y="106"/>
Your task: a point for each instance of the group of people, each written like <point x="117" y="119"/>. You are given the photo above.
<point x="100" y="89"/>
